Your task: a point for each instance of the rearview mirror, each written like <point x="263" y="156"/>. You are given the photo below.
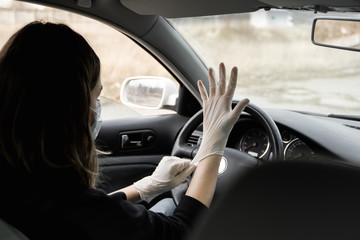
<point x="149" y="92"/>
<point x="337" y="33"/>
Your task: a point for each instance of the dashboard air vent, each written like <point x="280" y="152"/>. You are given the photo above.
<point x="193" y="140"/>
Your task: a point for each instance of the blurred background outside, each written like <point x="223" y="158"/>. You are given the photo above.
<point x="278" y="65"/>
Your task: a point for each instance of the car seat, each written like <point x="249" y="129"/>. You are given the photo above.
<point x="289" y="200"/>
<point x="8" y="232"/>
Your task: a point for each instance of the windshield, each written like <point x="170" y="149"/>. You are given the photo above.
<point x="278" y="65"/>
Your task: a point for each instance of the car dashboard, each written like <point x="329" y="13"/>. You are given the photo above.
<point x="250" y="137"/>
<point x="304" y="137"/>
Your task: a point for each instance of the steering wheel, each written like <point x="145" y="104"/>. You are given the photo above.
<point x="234" y="162"/>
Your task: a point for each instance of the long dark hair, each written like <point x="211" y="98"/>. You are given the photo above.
<point x="47" y="72"/>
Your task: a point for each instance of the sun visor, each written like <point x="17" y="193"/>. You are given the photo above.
<point x="191" y="8"/>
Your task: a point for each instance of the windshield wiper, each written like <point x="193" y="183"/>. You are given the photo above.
<point x="348" y="117"/>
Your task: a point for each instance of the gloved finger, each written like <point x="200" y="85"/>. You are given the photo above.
<point x="231" y="89"/>
<point x="166" y="160"/>
<point x="212" y="82"/>
<point x="176" y="165"/>
<point x="235" y="114"/>
<point x="222" y="80"/>
<point x="202" y="90"/>
<point x="232" y="83"/>
<point x="182" y="164"/>
<point x="185" y="173"/>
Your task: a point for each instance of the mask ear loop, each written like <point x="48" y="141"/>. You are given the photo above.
<point x="95" y="127"/>
<point x="97" y="110"/>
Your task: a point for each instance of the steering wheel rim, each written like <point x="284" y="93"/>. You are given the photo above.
<point x="181" y="149"/>
<point x="232" y="156"/>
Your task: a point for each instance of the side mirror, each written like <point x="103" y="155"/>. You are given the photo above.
<point x="336" y="33"/>
<point x="149" y="92"/>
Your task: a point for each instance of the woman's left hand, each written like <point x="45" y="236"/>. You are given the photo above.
<point x="219" y="117"/>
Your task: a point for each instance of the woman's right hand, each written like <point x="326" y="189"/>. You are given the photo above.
<point x="170" y="172"/>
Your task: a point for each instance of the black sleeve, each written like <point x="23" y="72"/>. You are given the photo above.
<point x="136" y="222"/>
<point x="180" y="224"/>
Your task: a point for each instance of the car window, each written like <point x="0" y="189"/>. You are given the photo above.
<point x="120" y="57"/>
<point x="279" y="67"/>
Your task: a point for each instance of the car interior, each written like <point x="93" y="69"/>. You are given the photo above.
<point x="286" y="173"/>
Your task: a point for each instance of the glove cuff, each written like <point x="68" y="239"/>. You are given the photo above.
<point x="144" y="186"/>
<point x="201" y="155"/>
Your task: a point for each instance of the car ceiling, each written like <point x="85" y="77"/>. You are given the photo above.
<point x="188" y="8"/>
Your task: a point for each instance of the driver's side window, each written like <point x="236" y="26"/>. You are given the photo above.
<point x="122" y="61"/>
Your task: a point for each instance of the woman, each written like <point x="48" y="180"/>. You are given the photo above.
<point x="49" y="85"/>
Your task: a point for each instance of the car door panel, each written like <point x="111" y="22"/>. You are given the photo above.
<point x="121" y="164"/>
<point x="118" y="172"/>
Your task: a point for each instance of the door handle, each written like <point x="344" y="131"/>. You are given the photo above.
<point x="137" y="139"/>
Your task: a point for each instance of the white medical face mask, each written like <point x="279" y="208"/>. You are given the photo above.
<point x="95" y="127"/>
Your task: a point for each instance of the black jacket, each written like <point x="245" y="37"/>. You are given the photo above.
<point x="92" y="214"/>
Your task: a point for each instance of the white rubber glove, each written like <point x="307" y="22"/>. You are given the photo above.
<point x="219" y="118"/>
<point x="170" y="172"/>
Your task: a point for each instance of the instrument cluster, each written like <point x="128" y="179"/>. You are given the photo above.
<point x="255" y="141"/>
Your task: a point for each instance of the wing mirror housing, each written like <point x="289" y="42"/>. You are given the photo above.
<point x="336" y="33"/>
<point x="149" y="92"/>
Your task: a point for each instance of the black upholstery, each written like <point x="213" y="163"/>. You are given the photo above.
<point x="8" y="232"/>
<point x="288" y="200"/>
